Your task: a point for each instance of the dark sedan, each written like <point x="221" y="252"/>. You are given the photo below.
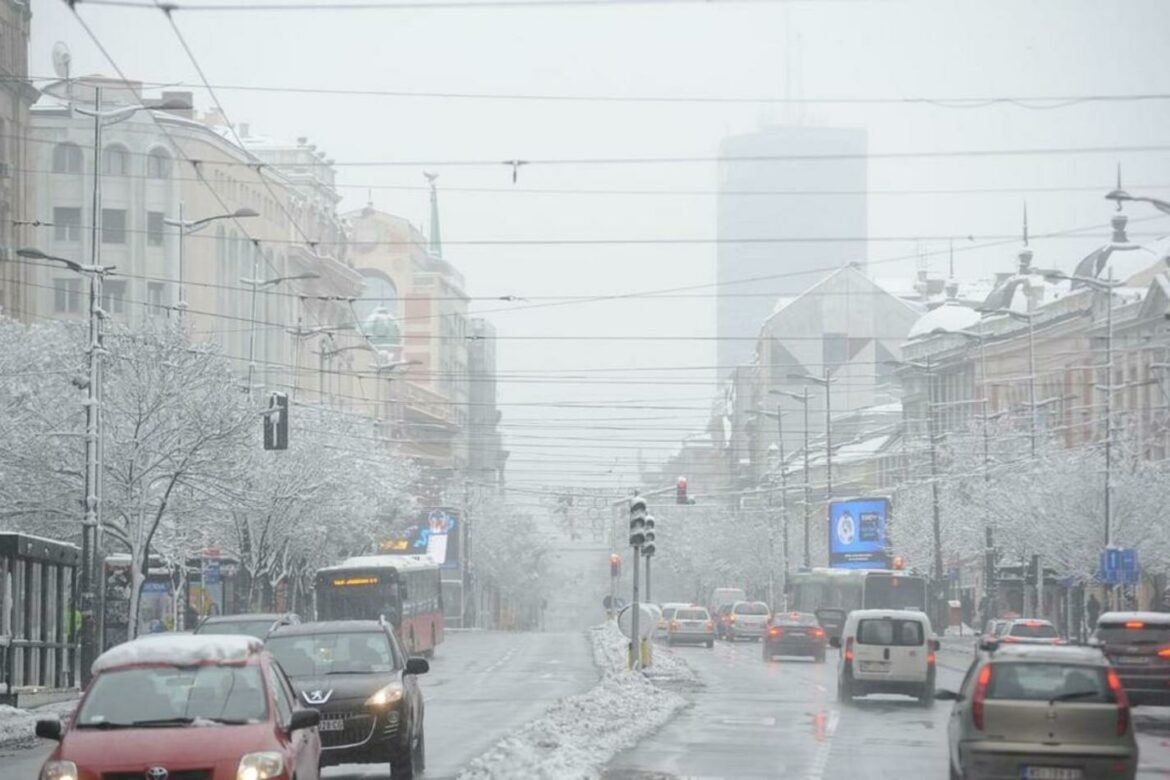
<point x="355" y="673"/>
<point x="1138" y="646"/>
<point x="794" y="634"/>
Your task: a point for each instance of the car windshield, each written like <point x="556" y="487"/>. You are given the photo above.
<point x="885" y="631"/>
<point x="691" y="614"/>
<point x="1047" y="681"/>
<point x="751" y="609"/>
<point x="256" y="628"/>
<point x="1033" y="631"/>
<point x="172" y="695"/>
<point x="1133" y="633"/>
<point x="313" y="655"/>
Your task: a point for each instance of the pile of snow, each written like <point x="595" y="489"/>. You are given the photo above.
<point x="18" y="727"/>
<point x="578" y="735"/>
<point x="179" y="650"/>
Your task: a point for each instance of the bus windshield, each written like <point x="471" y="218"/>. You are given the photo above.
<point x="358" y="598"/>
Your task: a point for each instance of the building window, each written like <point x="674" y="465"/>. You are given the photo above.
<point x="158" y="164"/>
<point x="67" y="295"/>
<point x="154" y="228"/>
<point x="67" y="158"/>
<point x="113" y="226"/>
<point x="116" y="161"/>
<point x="155" y="291"/>
<point x="114" y="296"/>
<point x="67" y="224"/>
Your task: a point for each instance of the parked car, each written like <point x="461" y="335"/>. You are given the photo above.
<point x="794" y="634"/>
<point x="247" y="624"/>
<point x="180" y="705"/>
<point x="355" y="673"/>
<point x="1138" y="646"/>
<point x="747" y="620"/>
<point x="886" y="651"/>
<point x="1041" y="711"/>
<point x="691" y="625"/>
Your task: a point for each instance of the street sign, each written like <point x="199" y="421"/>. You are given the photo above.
<point x="211" y="572"/>
<point x="1119" y="566"/>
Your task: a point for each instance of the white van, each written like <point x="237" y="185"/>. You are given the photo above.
<point x="886" y="651"/>
<point x="721" y="597"/>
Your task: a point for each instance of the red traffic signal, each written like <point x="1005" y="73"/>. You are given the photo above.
<point x="615" y="565"/>
<point x="680" y="493"/>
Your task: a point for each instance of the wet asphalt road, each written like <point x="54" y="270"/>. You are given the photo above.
<point x="482" y="685"/>
<point x="782" y="720"/>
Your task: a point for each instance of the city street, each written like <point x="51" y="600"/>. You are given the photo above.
<point x="481" y="686"/>
<point x="782" y="720"/>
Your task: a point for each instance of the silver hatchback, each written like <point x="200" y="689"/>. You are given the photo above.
<point x="1030" y="712"/>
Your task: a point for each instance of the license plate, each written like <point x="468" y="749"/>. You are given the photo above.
<point x="1051" y="773"/>
<point x="1131" y="660"/>
<point x="875" y="666"/>
<point x="332" y="724"/>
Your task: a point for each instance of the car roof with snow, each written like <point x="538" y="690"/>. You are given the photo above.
<point x="1157" y="618"/>
<point x="329" y="627"/>
<point x="880" y="614"/>
<point x="180" y="650"/>
<point x="248" y="617"/>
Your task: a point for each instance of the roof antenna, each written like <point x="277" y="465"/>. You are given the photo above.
<point x="1119" y="185"/>
<point x="952" y="253"/>
<point x="1025" y="223"/>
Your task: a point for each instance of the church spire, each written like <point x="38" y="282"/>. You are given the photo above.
<point x="436" y="239"/>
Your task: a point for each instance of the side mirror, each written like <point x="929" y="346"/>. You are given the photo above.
<point x="945" y="695"/>
<point x="49" y="729"/>
<point x="935" y="645"/>
<point x="835" y="641"/>
<point x="417" y="666"/>
<point x="304" y="719"/>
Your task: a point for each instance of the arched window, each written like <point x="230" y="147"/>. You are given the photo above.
<point x="67" y="158"/>
<point x="158" y="164"/>
<point x="115" y="160"/>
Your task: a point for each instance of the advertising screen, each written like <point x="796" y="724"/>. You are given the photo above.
<point x="436" y="533"/>
<point x="857" y="534"/>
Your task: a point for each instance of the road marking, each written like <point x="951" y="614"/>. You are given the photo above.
<point x="820" y="760"/>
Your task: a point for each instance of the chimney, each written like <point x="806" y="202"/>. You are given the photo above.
<point x="180" y="96"/>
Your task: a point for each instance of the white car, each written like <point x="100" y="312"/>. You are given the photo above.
<point x="747" y="620"/>
<point x="886" y="651"/>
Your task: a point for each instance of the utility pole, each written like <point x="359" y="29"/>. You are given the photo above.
<point x="807" y="560"/>
<point x="783" y="495"/>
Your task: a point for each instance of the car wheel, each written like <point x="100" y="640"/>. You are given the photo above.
<point x="402" y="763"/>
<point x="844" y="691"/>
<point x="420" y="751"/>
<point x="953" y="774"/>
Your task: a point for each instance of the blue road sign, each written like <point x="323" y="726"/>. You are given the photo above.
<point x="1119" y="566"/>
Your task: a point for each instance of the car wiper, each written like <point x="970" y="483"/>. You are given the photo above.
<point x="105" y="724"/>
<point x="179" y="721"/>
<point x="1070" y="695"/>
<point x="349" y="671"/>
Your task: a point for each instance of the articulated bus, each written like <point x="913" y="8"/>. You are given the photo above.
<point x="405" y="589"/>
<point x="831" y="594"/>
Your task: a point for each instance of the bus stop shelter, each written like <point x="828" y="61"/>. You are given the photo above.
<point x="38" y="655"/>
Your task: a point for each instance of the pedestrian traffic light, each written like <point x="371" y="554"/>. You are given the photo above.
<point x="680" y="494"/>
<point x="637" y="522"/>
<point x="648" y="546"/>
<point x="276" y="422"/>
<point x="615" y="565"/>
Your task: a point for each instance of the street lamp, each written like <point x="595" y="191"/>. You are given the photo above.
<point x="92" y="483"/>
<point x="256" y="284"/>
<point x="802" y="398"/>
<point x="1119" y="196"/>
<point x="186" y="228"/>
<point x="1028" y="317"/>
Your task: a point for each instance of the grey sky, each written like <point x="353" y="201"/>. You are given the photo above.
<point x="986" y="48"/>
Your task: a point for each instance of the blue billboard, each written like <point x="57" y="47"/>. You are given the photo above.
<point x="436" y="533"/>
<point x="858" y="533"/>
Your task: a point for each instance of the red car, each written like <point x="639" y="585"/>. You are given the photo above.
<point x="185" y="706"/>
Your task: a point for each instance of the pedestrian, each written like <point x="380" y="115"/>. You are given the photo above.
<point x="1094" y="610"/>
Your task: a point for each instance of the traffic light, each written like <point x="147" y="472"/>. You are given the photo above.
<point x="648" y="546"/>
<point x="615" y="565"/>
<point x="680" y="493"/>
<point x="276" y="422"/>
<point x="637" y="522"/>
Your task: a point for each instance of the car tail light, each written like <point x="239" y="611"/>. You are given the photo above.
<point x="674" y="625"/>
<point x="818" y="632"/>
<point x="775" y="631"/>
<point x="849" y="650"/>
<point x="1135" y="624"/>
<point x="731" y="618"/>
<point x="980" y="697"/>
<point x="1164" y="652"/>
<point x="930" y="658"/>
<point x="710" y="626"/>
<point x="1122" y="702"/>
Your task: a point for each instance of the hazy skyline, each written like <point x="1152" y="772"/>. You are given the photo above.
<point x="841" y="50"/>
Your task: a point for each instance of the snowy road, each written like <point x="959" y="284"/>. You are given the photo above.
<point x="481" y="686"/>
<point x="756" y="720"/>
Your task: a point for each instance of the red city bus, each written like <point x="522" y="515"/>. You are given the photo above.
<point x="405" y="589"/>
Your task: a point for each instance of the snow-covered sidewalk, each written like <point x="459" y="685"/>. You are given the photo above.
<point x="578" y="735"/>
<point x="18" y="727"/>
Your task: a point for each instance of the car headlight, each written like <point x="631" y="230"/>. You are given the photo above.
<point x="260" y="766"/>
<point x="59" y="770"/>
<point x="391" y="694"/>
